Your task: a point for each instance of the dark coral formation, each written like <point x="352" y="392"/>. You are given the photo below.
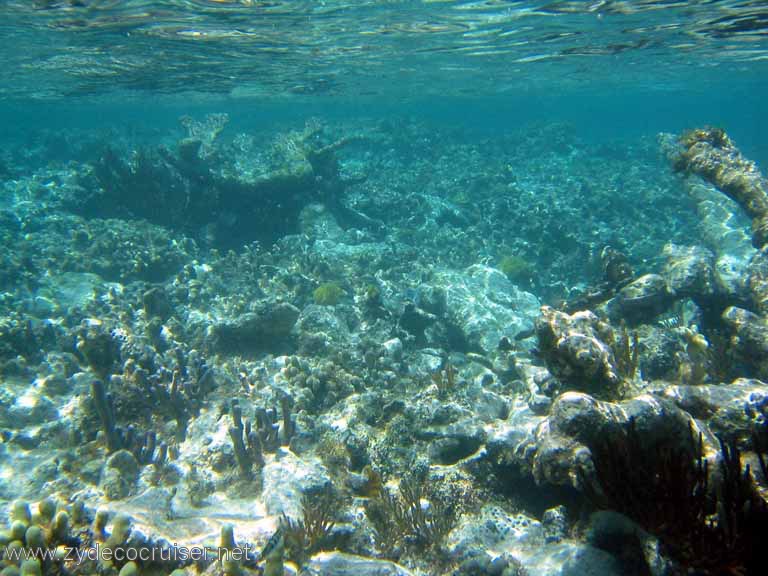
<point x="198" y="187"/>
<point x="665" y="487"/>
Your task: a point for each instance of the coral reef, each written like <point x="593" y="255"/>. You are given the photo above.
<point x="373" y="386"/>
<point x="199" y="184"/>
<point x="53" y="537"/>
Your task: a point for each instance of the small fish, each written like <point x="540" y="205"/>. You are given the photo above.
<point x="523" y="334"/>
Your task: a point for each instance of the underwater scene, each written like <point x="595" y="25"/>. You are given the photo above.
<point x="383" y="288"/>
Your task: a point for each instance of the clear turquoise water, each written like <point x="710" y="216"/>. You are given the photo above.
<point x="611" y="68"/>
<point x="127" y="70"/>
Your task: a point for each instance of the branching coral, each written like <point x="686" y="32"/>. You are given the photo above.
<point x="143" y="445"/>
<point x="30" y="535"/>
<point x="251" y="441"/>
<point x="245" y="442"/>
<point x="55" y="538"/>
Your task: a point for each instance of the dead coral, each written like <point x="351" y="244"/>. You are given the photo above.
<point x="579" y="350"/>
<point x="203" y="132"/>
<point x="711" y="154"/>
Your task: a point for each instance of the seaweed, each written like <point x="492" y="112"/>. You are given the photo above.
<point x="328" y="294"/>
<point x="625" y="354"/>
<point x="403" y="519"/>
<point x="310" y="534"/>
<point x="665" y="488"/>
<point x="516" y="268"/>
